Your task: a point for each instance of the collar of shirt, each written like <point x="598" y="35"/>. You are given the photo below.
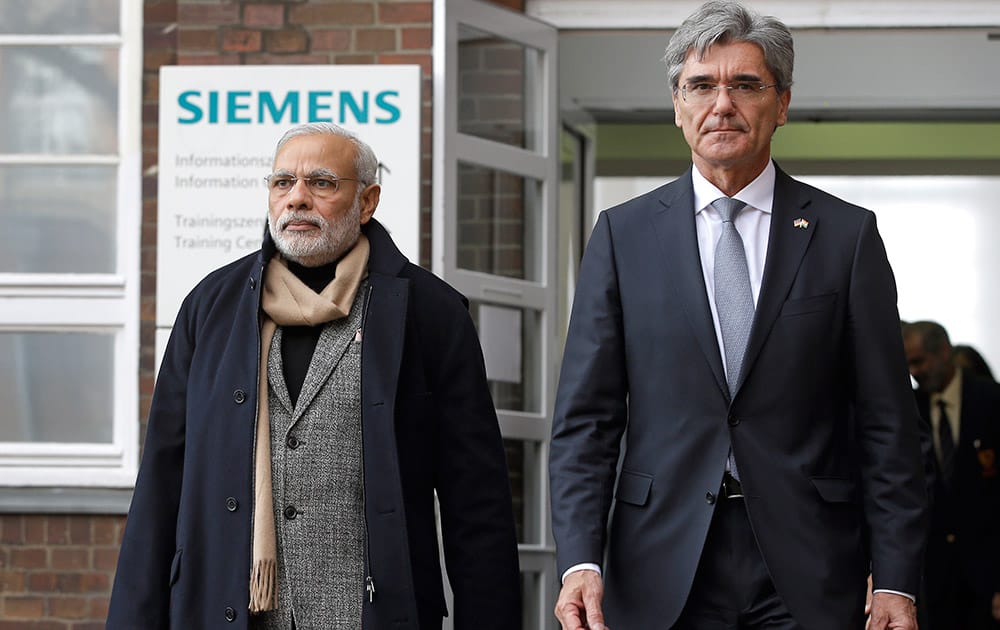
<point x="757" y="194"/>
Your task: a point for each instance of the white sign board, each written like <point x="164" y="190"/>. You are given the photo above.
<point x="218" y="128"/>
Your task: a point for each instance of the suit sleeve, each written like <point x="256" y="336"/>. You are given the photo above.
<point x="473" y="488"/>
<point x="590" y="409"/>
<point x="140" y="596"/>
<point x="894" y="489"/>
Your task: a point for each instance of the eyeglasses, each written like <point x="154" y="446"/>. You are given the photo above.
<point x="741" y="92"/>
<point x="319" y="185"/>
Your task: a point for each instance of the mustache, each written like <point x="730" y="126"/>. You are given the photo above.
<point x="301" y="217"/>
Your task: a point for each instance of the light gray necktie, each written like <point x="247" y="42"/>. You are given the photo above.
<point x="733" y="297"/>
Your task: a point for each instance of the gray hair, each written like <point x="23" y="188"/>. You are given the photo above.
<point x="723" y="22"/>
<point x="365" y="162"/>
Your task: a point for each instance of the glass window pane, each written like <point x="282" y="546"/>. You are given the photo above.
<point x="56" y="387"/>
<point x="58" y="219"/>
<point x="499" y="223"/>
<point x="59" y="17"/>
<point x="524" y="468"/>
<point x="58" y="99"/>
<point x="497" y="87"/>
<point x="511" y="340"/>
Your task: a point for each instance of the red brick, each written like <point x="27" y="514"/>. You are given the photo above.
<point x="405" y="12"/>
<point x="11" y="529"/>
<point x="106" y="559"/>
<point x="424" y="61"/>
<point x="91" y="625"/>
<point x="417" y="38"/>
<point x="152" y="59"/>
<point x="106" y="528"/>
<point x="57" y="530"/>
<point x="189" y="39"/>
<point x="241" y="40"/>
<point x="159" y="37"/>
<point x="162" y="12"/>
<point x="28" y="558"/>
<point x="286" y="41"/>
<point x="32" y="625"/>
<point x="375" y="39"/>
<point x="263" y="15"/>
<point x="95" y="583"/>
<point x="66" y="607"/>
<point x="34" y="529"/>
<point x="207" y="14"/>
<point x="69" y="582"/>
<point x="12" y="581"/>
<point x="340" y="13"/>
<point x="98" y="607"/>
<point x="306" y="60"/>
<point x="70" y="558"/>
<point x="151" y="89"/>
<point x="207" y="60"/>
<point x="79" y="530"/>
<point x="42" y="581"/>
<point x="23" y="607"/>
<point x="515" y="5"/>
<point x="330" y="39"/>
<point x="355" y="59"/>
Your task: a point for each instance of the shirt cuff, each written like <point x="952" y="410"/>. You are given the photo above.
<point x="584" y="566"/>
<point x="883" y="590"/>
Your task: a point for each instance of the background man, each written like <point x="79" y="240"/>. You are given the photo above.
<point x="752" y="351"/>
<point x="962" y="576"/>
<point x="313" y="397"/>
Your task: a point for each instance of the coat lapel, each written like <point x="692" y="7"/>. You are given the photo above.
<point x="788" y="240"/>
<point x="674" y="225"/>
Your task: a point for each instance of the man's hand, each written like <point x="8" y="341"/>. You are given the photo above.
<point x="868" y="596"/>
<point x="892" y="612"/>
<point x="996" y="606"/>
<point x="579" y="605"/>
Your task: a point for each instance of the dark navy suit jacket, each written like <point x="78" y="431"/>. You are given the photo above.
<point x="823" y="426"/>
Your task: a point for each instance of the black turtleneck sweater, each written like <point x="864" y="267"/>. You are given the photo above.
<point x="299" y="342"/>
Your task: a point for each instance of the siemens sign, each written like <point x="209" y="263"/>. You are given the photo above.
<point x="218" y="128"/>
<point x="292" y="107"/>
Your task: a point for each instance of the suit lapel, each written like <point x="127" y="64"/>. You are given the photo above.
<point x="674" y="226"/>
<point x="788" y="240"/>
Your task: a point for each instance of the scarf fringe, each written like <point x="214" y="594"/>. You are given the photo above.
<point x="263" y="586"/>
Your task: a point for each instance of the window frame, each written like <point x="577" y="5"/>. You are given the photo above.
<point x="89" y="303"/>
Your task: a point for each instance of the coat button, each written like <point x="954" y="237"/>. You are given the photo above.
<point x="709" y="498"/>
<point x="230" y="614"/>
<point x="239" y="396"/>
<point x="292" y="442"/>
<point x="253" y="283"/>
<point x="732" y="420"/>
<point x="232" y="504"/>
<point x="291" y="512"/>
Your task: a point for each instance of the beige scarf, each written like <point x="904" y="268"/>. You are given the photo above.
<point x="288" y="302"/>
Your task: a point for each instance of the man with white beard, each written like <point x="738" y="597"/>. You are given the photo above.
<point x="312" y="400"/>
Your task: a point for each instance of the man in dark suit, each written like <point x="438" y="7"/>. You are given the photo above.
<point x="761" y="448"/>
<point x="962" y="576"/>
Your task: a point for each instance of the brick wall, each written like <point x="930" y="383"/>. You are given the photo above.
<point x="56" y="570"/>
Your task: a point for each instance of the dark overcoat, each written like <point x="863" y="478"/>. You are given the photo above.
<point x="428" y="426"/>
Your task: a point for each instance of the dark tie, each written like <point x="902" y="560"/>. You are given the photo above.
<point x="946" y="442"/>
<point x="733" y="298"/>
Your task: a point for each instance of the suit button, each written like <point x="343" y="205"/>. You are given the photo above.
<point x="230" y="614"/>
<point x="292" y="442"/>
<point x="232" y="504"/>
<point x="291" y="512"/>
<point x="732" y="420"/>
<point x="239" y="396"/>
<point x="709" y="498"/>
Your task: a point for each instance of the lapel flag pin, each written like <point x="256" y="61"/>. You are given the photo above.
<point x="800" y="223"/>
